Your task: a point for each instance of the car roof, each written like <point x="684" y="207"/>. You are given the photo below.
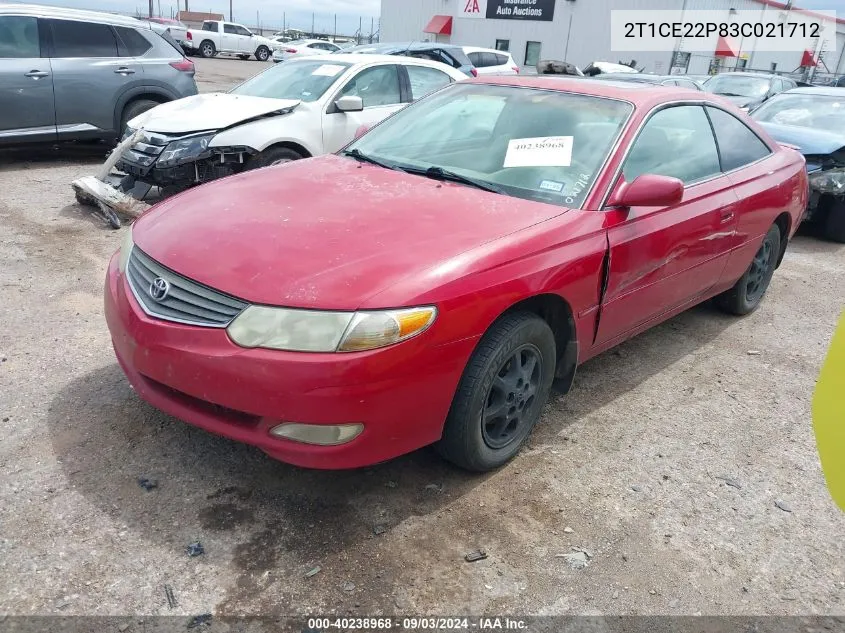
<point x="368" y="58"/>
<point x="826" y="91"/>
<point x="478" y="49"/>
<point x="410" y="46"/>
<point x="44" y="11"/>
<point x="641" y="94"/>
<point x="750" y="74"/>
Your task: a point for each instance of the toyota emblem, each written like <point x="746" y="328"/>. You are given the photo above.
<point x="159" y="289"/>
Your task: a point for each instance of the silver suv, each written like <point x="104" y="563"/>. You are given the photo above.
<point x="70" y="75"/>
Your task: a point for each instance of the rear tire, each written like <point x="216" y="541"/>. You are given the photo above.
<point x="748" y="292"/>
<point x="501" y="395"/>
<point x="207" y="49"/>
<point x="133" y="109"/>
<point x="273" y="156"/>
<point x="262" y="54"/>
<point x="834" y="223"/>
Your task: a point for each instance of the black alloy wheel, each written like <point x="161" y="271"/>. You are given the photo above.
<point x="511" y="396"/>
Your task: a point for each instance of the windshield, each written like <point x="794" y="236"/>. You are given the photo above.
<point x="535" y="144"/>
<point x="732" y="85"/>
<point x="804" y="110"/>
<point x="304" y="80"/>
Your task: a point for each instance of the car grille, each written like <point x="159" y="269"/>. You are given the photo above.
<point x="186" y="301"/>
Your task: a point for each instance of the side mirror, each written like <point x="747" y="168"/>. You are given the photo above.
<point x="350" y="103"/>
<point x="362" y="129"/>
<point x="649" y="190"/>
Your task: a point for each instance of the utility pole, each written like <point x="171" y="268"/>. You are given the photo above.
<point x="360" y="26"/>
<point x="159" y="8"/>
<point x="231" y="19"/>
<point x="312" y="25"/>
<point x="152" y="9"/>
<point x="371" y="30"/>
<point x="186" y="6"/>
<point x="335" y="26"/>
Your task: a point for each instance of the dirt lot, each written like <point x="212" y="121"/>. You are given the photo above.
<point x="665" y="462"/>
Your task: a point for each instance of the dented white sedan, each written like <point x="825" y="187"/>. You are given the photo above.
<point x="302" y="108"/>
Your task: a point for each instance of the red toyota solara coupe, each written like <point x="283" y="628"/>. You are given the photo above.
<point x="428" y="283"/>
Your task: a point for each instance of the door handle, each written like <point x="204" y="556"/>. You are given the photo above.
<point x="726" y="217"/>
<point x="124" y="71"/>
<point x="37" y="74"/>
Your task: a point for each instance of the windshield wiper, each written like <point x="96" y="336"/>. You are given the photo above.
<point x="438" y="173"/>
<point x="730" y="94"/>
<point x="366" y="158"/>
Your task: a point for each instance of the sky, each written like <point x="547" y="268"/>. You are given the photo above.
<point x="298" y="12"/>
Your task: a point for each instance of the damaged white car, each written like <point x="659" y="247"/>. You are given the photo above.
<point x="304" y="107"/>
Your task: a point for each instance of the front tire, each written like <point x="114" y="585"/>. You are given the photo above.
<point x="501" y="395"/>
<point x="262" y="54"/>
<point x="748" y="292"/>
<point x="207" y="49"/>
<point x="273" y="156"/>
<point x="834" y="222"/>
<point x="136" y="108"/>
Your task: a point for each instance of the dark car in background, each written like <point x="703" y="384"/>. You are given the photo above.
<point x="448" y="54"/>
<point x="77" y="75"/>
<point x="662" y="80"/>
<point x="813" y="120"/>
<point x="748" y="90"/>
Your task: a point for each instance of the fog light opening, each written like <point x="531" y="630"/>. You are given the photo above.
<point x="319" y="434"/>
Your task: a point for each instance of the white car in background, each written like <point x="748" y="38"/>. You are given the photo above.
<point x="302" y="48"/>
<point x="490" y="61"/>
<point x="305" y="107"/>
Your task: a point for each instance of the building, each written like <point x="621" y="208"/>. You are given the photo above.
<point x="578" y="31"/>
<point x="194" y="19"/>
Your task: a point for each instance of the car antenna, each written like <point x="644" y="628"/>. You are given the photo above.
<point x="410" y="44"/>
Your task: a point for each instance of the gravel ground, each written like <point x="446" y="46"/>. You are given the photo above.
<point x="665" y="463"/>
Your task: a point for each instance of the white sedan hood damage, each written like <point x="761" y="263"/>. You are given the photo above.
<point x="212" y="112"/>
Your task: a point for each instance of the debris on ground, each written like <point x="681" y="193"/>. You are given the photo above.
<point x="378" y="530"/>
<point x="349" y="586"/>
<point x="753" y="352"/>
<point x="313" y="571"/>
<point x="568" y="530"/>
<point x="637" y="488"/>
<point x="477" y="555"/>
<point x="171" y="598"/>
<point x="576" y="560"/>
<point x="147" y="484"/>
<point x="435" y="487"/>
<point x="783" y="505"/>
<point x="730" y="481"/>
<point x="123" y="627"/>
<point x="199" y="620"/>
<point x="195" y="549"/>
<point x="391" y="484"/>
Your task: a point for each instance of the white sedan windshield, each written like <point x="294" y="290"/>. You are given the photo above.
<point x="535" y="144"/>
<point x="304" y="80"/>
<point x="822" y="112"/>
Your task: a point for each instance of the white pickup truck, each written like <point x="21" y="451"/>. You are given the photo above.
<point x="229" y="38"/>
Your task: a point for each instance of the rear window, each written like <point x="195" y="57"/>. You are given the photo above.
<point x="131" y="43"/>
<point x="82" y="39"/>
<point x="209" y="26"/>
<point x="501" y="60"/>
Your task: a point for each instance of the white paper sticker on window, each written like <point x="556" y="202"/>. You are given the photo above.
<point x="546" y="151"/>
<point x="328" y="70"/>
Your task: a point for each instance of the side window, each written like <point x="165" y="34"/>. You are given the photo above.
<point x="82" y="39"/>
<point x="475" y="58"/>
<point x="424" y="80"/>
<point x="490" y="59"/>
<point x="675" y="142"/>
<point x="377" y="86"/>
<point x="243" y="31"/>
<point x="777" y="85"/>
<point x="230" y="29"/>
<point x="738" y="144"/>
<point x="131" y="43"/>
<point x="19" y="37"/>
<point x="501" y="60"/>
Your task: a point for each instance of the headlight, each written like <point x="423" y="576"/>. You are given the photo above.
<point x="830" y="181"/>
<point x="311" y="331"/>
<point x="184" y="149"/>
<point x="125" y="250"/>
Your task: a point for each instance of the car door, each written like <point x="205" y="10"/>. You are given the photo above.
<point x="379" y="88"/>
<point x="89" y="76"/>
<point x="662" y="258"/>
<point x="245" y="41"/>
<point x="27" y="108"/>
<point x="230" y="41"/>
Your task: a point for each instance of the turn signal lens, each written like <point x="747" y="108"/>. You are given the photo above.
<point x="321" y="434"/>
<point x="125" y="250"/>
<point x="371" y="330"/>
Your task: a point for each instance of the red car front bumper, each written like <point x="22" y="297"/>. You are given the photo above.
<point x="401" y="394"/>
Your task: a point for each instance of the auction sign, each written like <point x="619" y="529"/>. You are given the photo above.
<point x="541" y="10"/>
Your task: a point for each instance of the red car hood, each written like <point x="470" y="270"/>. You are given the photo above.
<point x="324" y="233"/>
